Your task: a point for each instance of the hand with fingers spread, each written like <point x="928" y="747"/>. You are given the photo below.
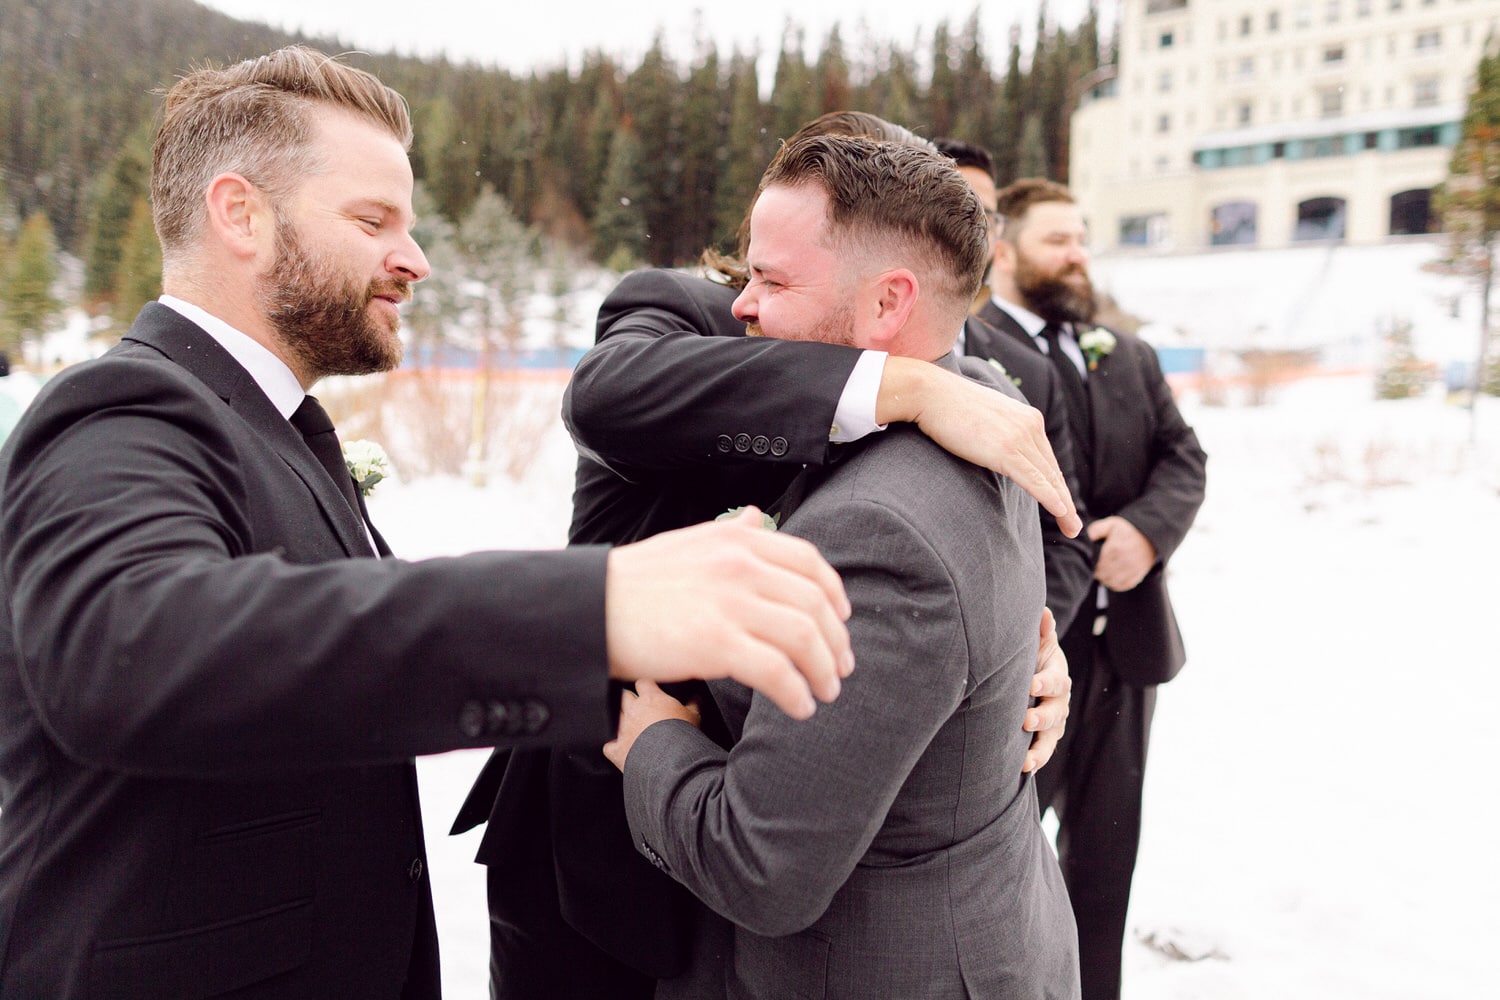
<point x="981" y="426"/>
<point x="645" y="706"/>
<point x="1052" y="686"/>
<point x="729" y="599"/>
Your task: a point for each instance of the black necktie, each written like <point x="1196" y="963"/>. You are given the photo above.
<point x="1072" y="380"/>
<point x="317" y="430"/>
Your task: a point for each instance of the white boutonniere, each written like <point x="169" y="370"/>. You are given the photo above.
<point x="1096" y="343"/>
<point x="367" y="464"/>
<point x="768" y="521"/>
<point x="1001" y="369"/>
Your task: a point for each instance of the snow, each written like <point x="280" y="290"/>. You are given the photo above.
<point x="1320" y="806"/>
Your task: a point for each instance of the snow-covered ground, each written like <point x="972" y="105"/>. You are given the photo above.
<point x="1320" y="805"/>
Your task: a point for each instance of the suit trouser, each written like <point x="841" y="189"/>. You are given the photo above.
<point x="1094" y="783"/>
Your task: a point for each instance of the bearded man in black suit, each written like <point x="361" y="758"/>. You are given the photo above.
<point x="1141" y="475"/>
<point x="210" y="691"/>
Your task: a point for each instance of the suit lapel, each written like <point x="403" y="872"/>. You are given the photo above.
<point x="186" y="344"/>
<point x="1083" y="426"/>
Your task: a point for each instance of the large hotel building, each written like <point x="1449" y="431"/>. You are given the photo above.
<point x="1273" y="123"/>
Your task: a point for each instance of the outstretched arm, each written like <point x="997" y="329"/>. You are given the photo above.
<point x="729" y="600"/>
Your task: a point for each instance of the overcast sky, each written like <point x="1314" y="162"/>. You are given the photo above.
<point x="543" y="33"/>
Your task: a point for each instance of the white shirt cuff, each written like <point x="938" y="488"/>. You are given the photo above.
<point x="855" y="416"/>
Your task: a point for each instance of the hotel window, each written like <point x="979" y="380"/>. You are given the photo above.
<point x="1273" y="21"/>
<point x="1333" y="55"/>
<point x="1243" y="112"/>
<point x="1411" y="213"/>
<point x="1163" y="123"/>
<point x="1164" y="40"/>
<point x="1331" y="11"/>
<point x="1245" y="68"/>
<point x="1319" y="219"/>
<point x="1232" y="224"/>
<point x="1164" y="82"/>
<point x="1331" y="102"/>
<point x="1362" y="8"/>
<point x="1424" y="91"/>
<point x="1304" y="15"/>
<point x="1245" y="23"/>
<point x="1428" y="40"/>
<point x="1395" y="5"/>
<point x="1143" y="230"/>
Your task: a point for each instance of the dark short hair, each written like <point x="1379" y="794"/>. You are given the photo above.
<point x="1014" y="200"/>
<point x="883" y="193"/>
<point x="966" y="154"/>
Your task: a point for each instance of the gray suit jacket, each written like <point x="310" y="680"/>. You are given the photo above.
<point x="890" y="846"/>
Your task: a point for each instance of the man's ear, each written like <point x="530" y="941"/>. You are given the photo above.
<point x="896" y="294"/>
<point x="239" y="215"/>
<point x="1004" y="260"/>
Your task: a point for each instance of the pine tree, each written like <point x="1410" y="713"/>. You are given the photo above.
<point x="651" y="102"/>
<point x="942" y="92"/>
<point x="747" y="152"/>
<point x="1469" y="200"/>
<point x="603" y="119"/>
<point x="118" y="192"/>
<point x="449" y="158"/>
<point x="1011" y="119"/>
<point x="499" y="256"/>
<point x="832" y="74"/>
<point x="437" y="303"/>
<point x="792" y="99"/>
<point x="139" y="278"/>
<point x="619" y="224"/>
<point x="28" y="308"/>
<point x="704" y="120"/>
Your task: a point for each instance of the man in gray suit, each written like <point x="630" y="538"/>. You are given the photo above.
<point x="887" y="847"/>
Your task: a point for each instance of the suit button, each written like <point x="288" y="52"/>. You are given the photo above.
<point x="537" y="716"/>
<point x="471" y="719"/>
<point x="778" y="446"/>
<point x="725" y="444"/>
<point x="761" y="444"/>
<point x="742" y="443"/>
<point x="414" y="870"/>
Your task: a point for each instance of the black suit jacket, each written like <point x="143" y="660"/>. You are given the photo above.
<point x="1069" y="561"/>
<point x="672" y="429"/>
<point x="1138" y="459"/>
<point x="208" y="708"/>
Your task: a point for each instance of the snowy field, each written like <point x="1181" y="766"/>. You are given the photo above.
<point x="1321" y="808"/>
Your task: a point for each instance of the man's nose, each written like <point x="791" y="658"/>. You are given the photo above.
<point x="409" y="262"/>
<point x="744" y="306"/>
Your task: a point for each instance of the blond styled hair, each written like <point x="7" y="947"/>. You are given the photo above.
<point x="255" y="119"/>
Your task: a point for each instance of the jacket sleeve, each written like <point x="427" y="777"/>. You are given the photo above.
<point x="767" y="833"/>
<point x="672" y="383"/>
<point x="1175" y="484"/>
<point x="163" y="624"/>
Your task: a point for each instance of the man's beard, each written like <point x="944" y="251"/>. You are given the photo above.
<point x="1051" y="296"/>
<point x="837" y="327"/>
<point x="323" y="318"/>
